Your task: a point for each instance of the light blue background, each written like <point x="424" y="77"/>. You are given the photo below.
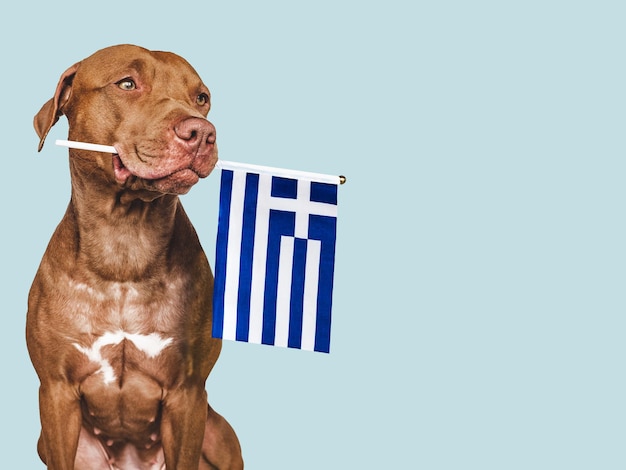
<point x="479" y="294"/>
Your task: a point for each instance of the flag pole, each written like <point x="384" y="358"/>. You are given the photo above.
<point x="227" y="165"/>
<point x="86" y="146"/>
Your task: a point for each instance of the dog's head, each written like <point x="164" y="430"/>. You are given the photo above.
<point x="150" y="105"/>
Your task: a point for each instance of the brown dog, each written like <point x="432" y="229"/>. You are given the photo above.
<point x="119" y="314"/>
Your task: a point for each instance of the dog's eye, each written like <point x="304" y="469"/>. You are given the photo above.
<point x="202" y="99"/>
<point x="127" y="84"/>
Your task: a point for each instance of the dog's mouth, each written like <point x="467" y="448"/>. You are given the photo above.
<point x="121" y="172"/>
<point x="178" y="181"/>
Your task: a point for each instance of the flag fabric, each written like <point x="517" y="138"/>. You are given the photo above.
<point x="275" y="258"/>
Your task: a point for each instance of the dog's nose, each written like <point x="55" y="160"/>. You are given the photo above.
<point x="195" y="133"/>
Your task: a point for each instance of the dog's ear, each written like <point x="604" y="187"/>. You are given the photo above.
<point x="50" y="112"/>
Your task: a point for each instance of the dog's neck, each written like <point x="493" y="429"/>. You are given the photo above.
<point x="121" y="235"/>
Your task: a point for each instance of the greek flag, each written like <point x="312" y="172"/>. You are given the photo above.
<point x="275" y="257"/>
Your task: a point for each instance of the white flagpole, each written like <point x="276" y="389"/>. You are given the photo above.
<point x="224" y="164"/>
<point x="86" y="146"/>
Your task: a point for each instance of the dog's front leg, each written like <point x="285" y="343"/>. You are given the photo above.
<point x="60" y="412"/>
<point x="182" y="427"/>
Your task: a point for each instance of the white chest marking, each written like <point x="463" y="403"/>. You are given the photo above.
<point x="151" y="345"/>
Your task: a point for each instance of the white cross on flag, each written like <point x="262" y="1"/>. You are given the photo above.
<point x="275" y="257"/>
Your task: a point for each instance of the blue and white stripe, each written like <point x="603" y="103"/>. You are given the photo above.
<point x="275" y="260"/>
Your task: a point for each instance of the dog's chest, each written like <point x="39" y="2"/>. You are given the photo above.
<point x="115" y="353"/>
<point x="127" y="329"/>
<point x="127" y="350"/>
